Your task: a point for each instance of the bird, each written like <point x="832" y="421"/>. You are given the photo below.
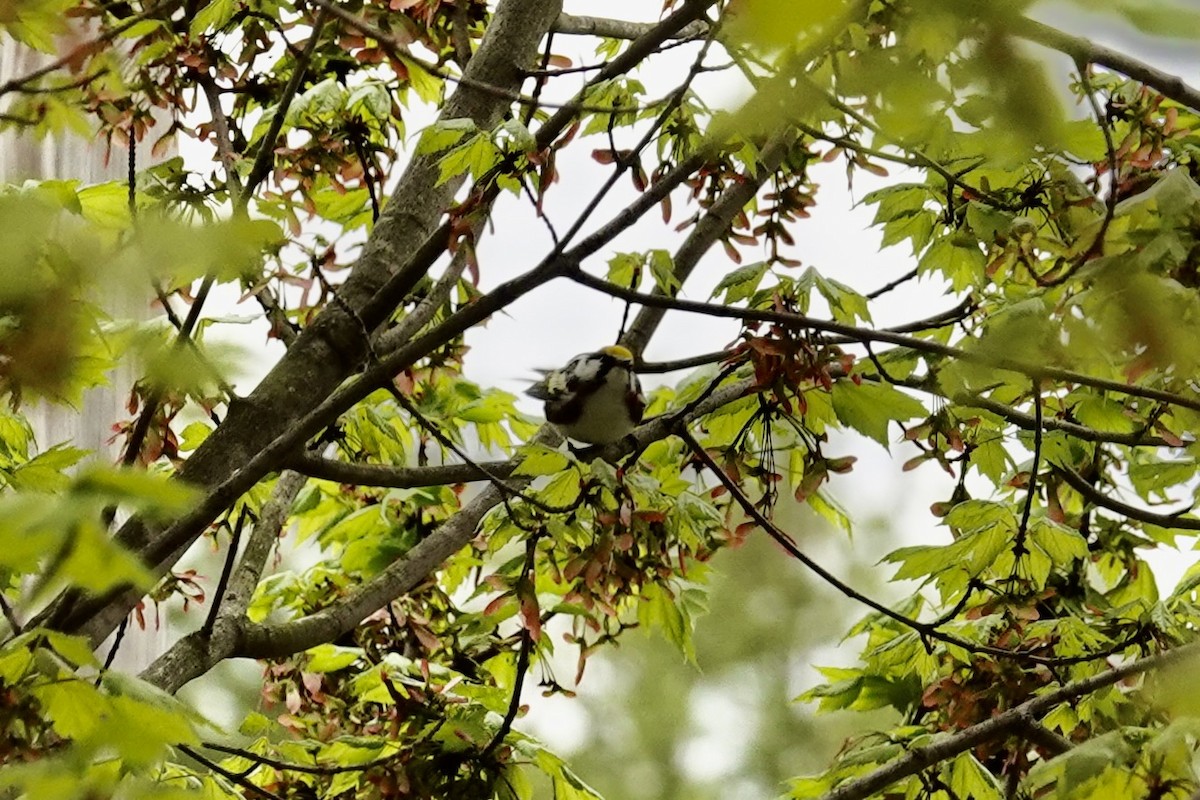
<point x="596" y="398"/>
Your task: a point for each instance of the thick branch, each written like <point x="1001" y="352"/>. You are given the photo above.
<point x="1014" y="720"/>
<point x="396" y="477"/>
<point x="334" y="344"/>
<point x="619" y="28"/>
<point x="1083" y="50"/>
<point x="200" y="651"/>
<point x="262" y="539"/>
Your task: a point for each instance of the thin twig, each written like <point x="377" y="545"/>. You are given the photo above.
<point x="675" y="365"/>
<point x="10" y="616"/>
<point x="1031" y="489"/>
<point x="1026" y="421"/>
<point x="397" y="49"/>
<point x="876" y="335"/>
<point x="623" y="164"/>
<point x="220" y="123"/>
<point x="1095" y="497"/>
<point x="239" y="779"/>
<point x="890" y="285"/>
<point x="923" y="629"/>
<point x="265" y="157"/>
<point x="235" y="539"/>
<point x="411" y="324"/>
<point x="1096" y="246"/>
<point x="514" y="703"/>
<point x="118" y="638"/>
<point x="291" y="766"/>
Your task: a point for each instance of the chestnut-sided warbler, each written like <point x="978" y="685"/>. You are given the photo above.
<point x="596" y="398"/>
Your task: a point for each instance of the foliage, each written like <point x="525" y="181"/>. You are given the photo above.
<point x="1060" y="241"/>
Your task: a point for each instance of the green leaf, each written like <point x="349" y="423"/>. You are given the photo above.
<point x="151" y="494"/>
<point x="975" y="515"/>
<point x="1103" y="414"/>
<point x="330" y="658"/>
<point x="514" y="137"/>
<point x="662" y="269"/>
<point x="96" y="563"/>
<point x="444" y="134"/>
<point x="917" y="228"/>
<point x="845" y="304"/>
<point x="1161" y="18"/>
<point x="193" y="435"/>
<point x="427" y="86"/>
<point x="1061" y="543"/>
<point x="741" y="283"/>
<point x="962" y="265"/>
<point x="538" y="460"/>
<point x="372" y="99"/>
<point x="869" y="407"/>
<point x="625" y="269"/>
<point x="562" y="490"/>
<point x="476" y="155"/>
<point x="773" y="24"/>
<point x="969" y="778"/>
<point x="74" y="707"/>
<point x="213" y="16"/>
<point x="76" y="649"/>
<point x="34" y="22"/>
<point x="901" y="200"/>
<point x="45" y="472"/>
<point x="991" y="459"/>
<point x="106" y="204"/>
<point x="659" y="610"/>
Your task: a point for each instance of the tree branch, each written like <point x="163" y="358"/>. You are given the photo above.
<point x="1018" y="547"/>
<point x="1092" y="495"/>
<point x="1003" y="724"/>
<point x="200" y="651"/>
<point x="276" y="640"/>
<point x="1027" y="422"/>
<point x="264" y="159"/>
<point x="526" y="647"/>
<point x="320" y="358"/>
<point x="1045" y="738"/>
<point x="708" y="231"/>
<point x="396" y="477"/>
<point x="873" y="335"/>
<point x="1081" y="49"/>
<point x="574" y="25"/>
<point x="930" y="630"/>
<point x="262" y="540"/>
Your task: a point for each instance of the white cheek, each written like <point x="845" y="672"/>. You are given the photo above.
<point x="585" y="369"/>
<point x="557" y="383"/>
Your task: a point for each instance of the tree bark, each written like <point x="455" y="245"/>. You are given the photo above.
<point x="335" y="344"/>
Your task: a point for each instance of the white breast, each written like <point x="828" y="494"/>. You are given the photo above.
<point x="605" y="415"/>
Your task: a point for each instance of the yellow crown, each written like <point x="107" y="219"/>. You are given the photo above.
<point x="618" y="352"/>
